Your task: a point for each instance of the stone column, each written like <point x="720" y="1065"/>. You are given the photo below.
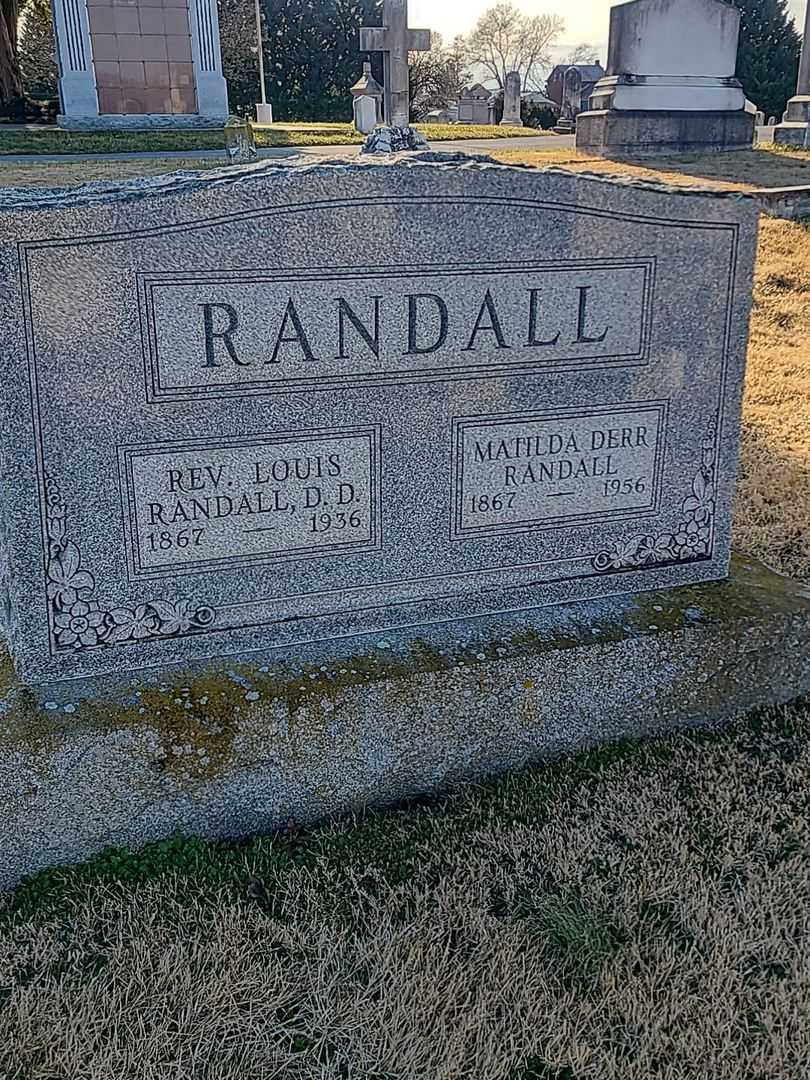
<point x="212" y="90"/>
<point x="511" y="101"/>
<point x="793" y="129"/>
<point x="77" y="81"/>
<point x="803" y="85"/>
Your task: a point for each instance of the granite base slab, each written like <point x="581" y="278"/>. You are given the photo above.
<point x="790" y="134"/>
<point x="237" y="747"/>
<point x="654" y="131"/>
<point x="137" y="122"/>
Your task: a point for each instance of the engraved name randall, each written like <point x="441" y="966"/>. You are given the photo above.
<point x="242" y="332"/>
<point x="428" y="328"/>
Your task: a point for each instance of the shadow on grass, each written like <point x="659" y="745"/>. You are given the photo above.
<point x="773" y="503"/>
<point x="760" y="167"/>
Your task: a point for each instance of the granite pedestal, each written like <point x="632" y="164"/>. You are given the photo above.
<point x="238" y="746"/>
<point x="637" y="132"/>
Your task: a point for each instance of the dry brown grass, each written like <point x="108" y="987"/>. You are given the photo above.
<point x="762" y="167"/>
<point x="772" y="512"/>
<point x="650" y="921"/>
<point x="68" y="173"/>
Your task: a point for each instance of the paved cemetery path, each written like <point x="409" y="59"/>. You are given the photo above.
<point x="470" y="146"/>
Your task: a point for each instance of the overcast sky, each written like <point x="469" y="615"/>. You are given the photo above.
<point x="585" y="20"/>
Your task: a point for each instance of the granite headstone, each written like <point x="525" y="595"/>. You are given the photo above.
<point x="511" y="101"/>
<point x="670" y="84"/>
<point x="263" y="406"/>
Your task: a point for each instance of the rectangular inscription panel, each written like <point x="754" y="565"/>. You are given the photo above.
<point x="194" y="505"/>
<point x="540" y="470"/>
<point x="259" y="332"/>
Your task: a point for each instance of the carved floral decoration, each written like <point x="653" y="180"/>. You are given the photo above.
<point x="689" y="541"/>
<point x="78" y="622"/>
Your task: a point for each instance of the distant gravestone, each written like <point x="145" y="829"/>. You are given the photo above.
<point x="511" y="101"/>
<point x="476" y="106"/>
<point x="367" y="99"/>
<point x="670" y="81"/>
<point x="240" y="143"/>
<point x="772" y="121"/>
<point x="571" y="101"/>
<point x="793" y="131"/>
<point x="364" y="112"/>
<point x="760" y="118"/>
<point x="276" y="405"/>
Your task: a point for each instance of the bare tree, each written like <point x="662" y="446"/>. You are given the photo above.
<point x="505" y="40"/>
<point x="438" y="77"/>
<point x="582" y="54"/>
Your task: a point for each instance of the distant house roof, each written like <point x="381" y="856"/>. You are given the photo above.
<point x="590" y="73"/>
<point x="534" y="97"/>
<point x="477" y="91"/>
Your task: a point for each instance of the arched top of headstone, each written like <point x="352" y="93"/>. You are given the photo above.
<point x="674" y="37"/>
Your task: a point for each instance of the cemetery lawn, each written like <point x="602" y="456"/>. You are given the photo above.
<point x="36" y="140"/>
<point x="641" y="910"/>
<point x="764" y="166"/>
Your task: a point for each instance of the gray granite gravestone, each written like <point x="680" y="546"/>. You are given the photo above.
<point x="253" y="408"/>
<point x="511" y="101"/>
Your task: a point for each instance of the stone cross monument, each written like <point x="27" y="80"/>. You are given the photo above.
<point x="394" y="40"/>
<point x="795" y="126"/>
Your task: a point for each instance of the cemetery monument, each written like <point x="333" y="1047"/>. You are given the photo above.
<point x="324" y="484"/>
<point x="571" y="101"/>
<point x="395" y="41"/>
<point x="795" y="125"/>
<point x="367" y="102"/>
<point x="139" y="64"/>
<point x="511" y="101"/>
<point x="670" y="82"/>
<point x="476" y="105"/>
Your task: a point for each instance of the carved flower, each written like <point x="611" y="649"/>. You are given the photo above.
<point x="79" y="624"/>
<point x="692" y="540"/>
<point x="656" y="549"/>
<point x="700" y="505"/>
<point x="66" y="581"/>
<point x="126" y="625"/>
<point x="622" y="554"/>
<point x="180" y="617"/>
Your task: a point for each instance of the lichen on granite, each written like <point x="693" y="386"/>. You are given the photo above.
<point x="203" y="705"/>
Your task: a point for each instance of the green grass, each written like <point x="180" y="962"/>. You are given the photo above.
<point x="56" y="141"/>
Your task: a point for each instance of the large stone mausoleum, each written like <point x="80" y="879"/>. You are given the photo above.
<point x="139" y="63"/>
